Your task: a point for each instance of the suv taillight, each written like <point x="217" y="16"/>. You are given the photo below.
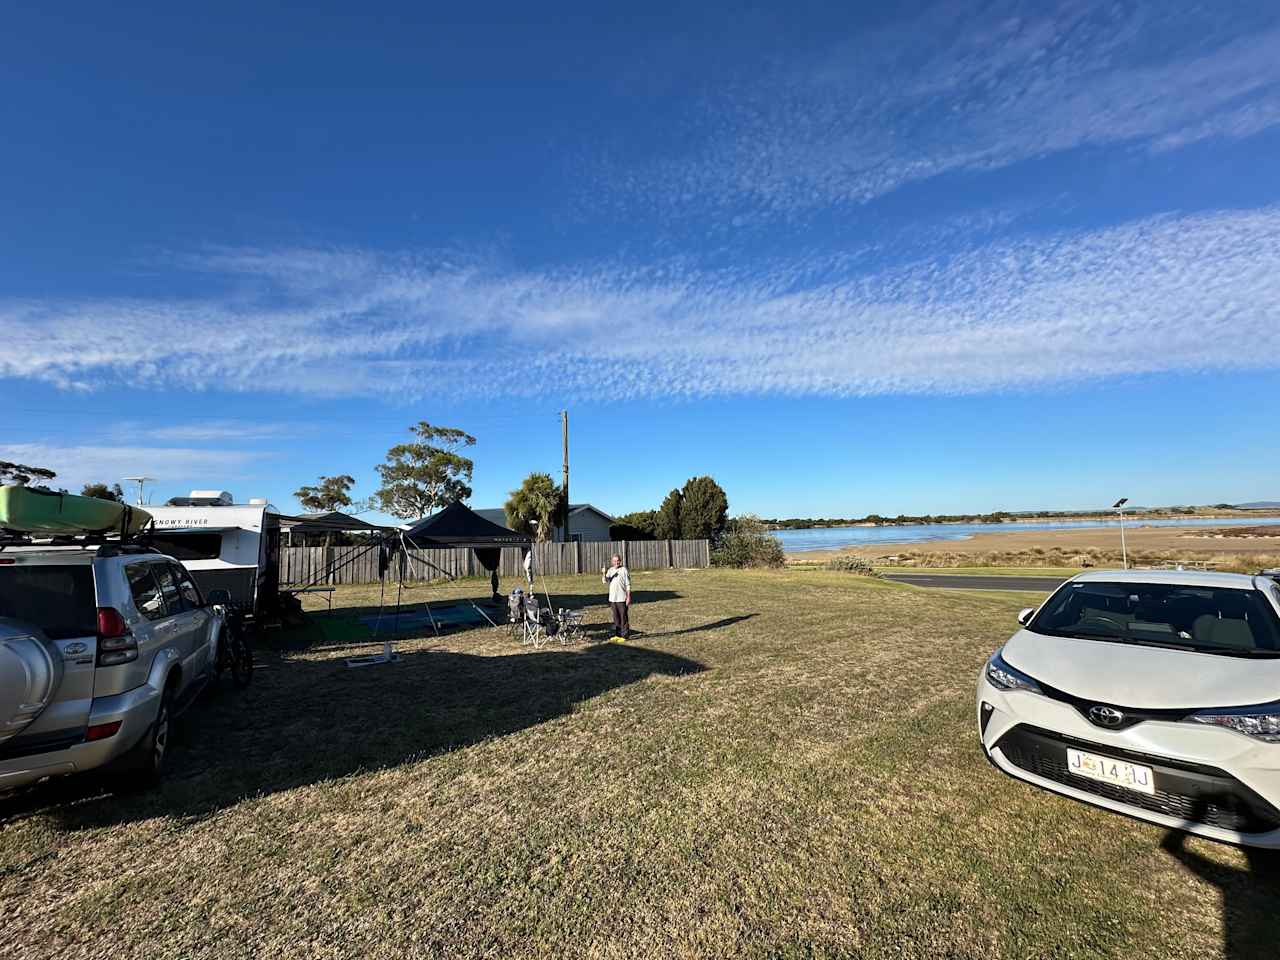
<point x="115" y="643"/>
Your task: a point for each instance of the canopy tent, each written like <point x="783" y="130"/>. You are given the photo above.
<point x="457" y="525"/>
<point x="454" y="526"/>
<point x="332" y="522"/>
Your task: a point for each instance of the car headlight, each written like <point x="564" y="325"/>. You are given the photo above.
<point x="1261" y="722"/>
<point x="1004" y="677"/>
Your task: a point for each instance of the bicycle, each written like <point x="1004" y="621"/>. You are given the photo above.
<point x="232" y="651"/>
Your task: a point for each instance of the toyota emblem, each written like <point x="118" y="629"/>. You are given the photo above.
<point x="1106" y="716"/>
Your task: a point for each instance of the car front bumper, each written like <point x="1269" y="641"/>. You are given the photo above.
<point x="1209" y="781"/>
<point x="23" y="761"/>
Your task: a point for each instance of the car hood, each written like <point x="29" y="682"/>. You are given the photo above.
<point x="1145" y="677"/>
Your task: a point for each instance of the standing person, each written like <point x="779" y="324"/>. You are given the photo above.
<point x="619" y="581"/>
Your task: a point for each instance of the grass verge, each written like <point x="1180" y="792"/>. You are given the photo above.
<point x="781" y="765"/>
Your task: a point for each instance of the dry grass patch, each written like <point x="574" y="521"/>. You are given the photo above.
<point x="784" y="764"/>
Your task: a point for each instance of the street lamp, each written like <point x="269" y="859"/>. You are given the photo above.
<point x="1124" y="551"/>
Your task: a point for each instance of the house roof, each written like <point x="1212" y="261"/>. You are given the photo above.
<point x="589" y="508"/>
<point x="499" y="516"/>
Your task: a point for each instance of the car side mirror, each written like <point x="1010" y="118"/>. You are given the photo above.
<point x="1025" y="616"/>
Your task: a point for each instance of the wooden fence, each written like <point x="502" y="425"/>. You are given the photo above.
<point x="303" y="565"/>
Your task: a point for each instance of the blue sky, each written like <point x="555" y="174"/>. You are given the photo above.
<point x="845" y="258"/>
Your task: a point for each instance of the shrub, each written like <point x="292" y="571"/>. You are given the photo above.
<point x="747" y="543"/>
<point x="640" y="525"/>
<point x="852" y="564"/>
<point x="625" y="531"/>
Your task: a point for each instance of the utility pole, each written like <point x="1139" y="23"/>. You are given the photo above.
<point x="564" y="428"/>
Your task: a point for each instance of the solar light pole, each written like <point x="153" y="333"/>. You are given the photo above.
<point x="1124" y="551"/>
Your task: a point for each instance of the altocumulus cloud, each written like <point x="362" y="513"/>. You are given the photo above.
<point x="77" y="465"/>
<point x="1166" y="294"/>
<point x="953" y="90"/>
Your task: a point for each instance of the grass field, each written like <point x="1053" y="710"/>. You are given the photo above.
<point x="784" y="764"/>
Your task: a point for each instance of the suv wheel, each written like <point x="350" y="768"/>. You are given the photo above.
<point x="143" y="766"/>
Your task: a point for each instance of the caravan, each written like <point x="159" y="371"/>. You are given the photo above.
<point x="226" y="545"/>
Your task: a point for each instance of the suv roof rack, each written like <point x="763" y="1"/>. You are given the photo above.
<point x="109" y="544"/>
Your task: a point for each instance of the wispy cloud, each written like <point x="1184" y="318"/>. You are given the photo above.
<point x="960" y="89"/>
<point x="205" y="431"/>
<point x="77" y="465"/>
<point x="1166" y="294"/>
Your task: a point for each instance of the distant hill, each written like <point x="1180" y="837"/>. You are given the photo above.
<point x="1260" y="505"/>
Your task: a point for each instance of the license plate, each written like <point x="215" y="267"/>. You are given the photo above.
<point x="1131" y="776"/>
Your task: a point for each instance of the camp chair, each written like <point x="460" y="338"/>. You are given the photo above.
<point x="535" y="634"/>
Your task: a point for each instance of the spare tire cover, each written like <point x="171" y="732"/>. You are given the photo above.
<point x="30" y="671"/>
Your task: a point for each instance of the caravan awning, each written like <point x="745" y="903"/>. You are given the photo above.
<point x="332" y="522"/>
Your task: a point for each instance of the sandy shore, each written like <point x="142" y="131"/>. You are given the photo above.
<point x="1192" y="541"/>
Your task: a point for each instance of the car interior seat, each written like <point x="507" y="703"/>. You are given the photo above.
<point x="1227" y="628"/>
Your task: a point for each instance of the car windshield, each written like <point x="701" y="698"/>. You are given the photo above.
<point x="58" y="599"/>
<point x="1206" y="619"/>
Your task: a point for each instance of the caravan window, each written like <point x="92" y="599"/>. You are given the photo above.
<point x="189" y="546"/>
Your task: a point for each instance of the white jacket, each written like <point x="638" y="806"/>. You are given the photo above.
<point x="619" y="581"/>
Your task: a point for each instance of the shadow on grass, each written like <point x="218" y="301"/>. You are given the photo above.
<point x="703" y="628"/>
<point x="414" y="603"/>
<point x="307" y="721"/>
<point x="1249" y="896"/>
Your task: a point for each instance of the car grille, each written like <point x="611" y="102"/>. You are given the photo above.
<point x="1194" y="793"/>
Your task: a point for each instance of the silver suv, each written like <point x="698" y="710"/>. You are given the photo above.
<point x="99" y="649"/>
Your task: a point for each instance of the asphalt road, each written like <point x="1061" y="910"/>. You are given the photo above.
<point x="957" y="581"/>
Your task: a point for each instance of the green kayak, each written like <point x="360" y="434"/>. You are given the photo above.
<point x="32" y="510"/>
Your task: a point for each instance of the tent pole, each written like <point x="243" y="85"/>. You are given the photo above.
<point x="386" y="648"/>
<point x="425" y="602"/>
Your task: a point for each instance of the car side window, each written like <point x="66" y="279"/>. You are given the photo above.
<point x="169" y="588"/>
<point x="146" y="591"/>
<point x="187" y="587"/>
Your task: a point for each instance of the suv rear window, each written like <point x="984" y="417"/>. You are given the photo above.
<point x="60" y="600"/>
<point x="1205" y="619"/>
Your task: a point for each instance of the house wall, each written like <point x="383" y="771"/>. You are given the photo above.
<point x="588" y="526"/>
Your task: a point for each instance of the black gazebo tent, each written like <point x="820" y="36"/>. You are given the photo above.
<point x="457" y="525"/>
<point x="332" y="522"/>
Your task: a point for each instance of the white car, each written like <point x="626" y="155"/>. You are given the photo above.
<point x="1153" y="694"/>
